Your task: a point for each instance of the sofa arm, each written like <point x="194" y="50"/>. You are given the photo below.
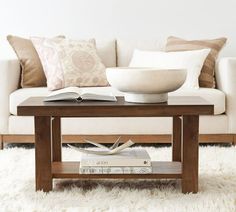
<point x="9" y="81"/>
<point x="226" y="81"/>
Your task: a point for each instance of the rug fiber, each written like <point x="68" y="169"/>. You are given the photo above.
<point x="217" y="186"/>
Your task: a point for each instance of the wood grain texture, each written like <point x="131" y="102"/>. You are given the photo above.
<point x="56" y="139"/>
<point x="203" y="138"/>
<point x="161" y="169"/>
<point x="188" y="107"/>
<point x="1" y="142"/>
<point x="234" y="143"/>
<point x="112" y="138"/>
<point x="176" y="139"/>
<point x="35" y="106"/>
<point x="43" y="153"/>
<point x="190" y="154"/>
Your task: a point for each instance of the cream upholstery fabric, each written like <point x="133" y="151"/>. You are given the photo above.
<point x="22" y="94"/>
<point x="226" y="81"/>
<point x="9" y="81"/>
<point x="225" y="77"/>
<point x="214" y="96"/>
<point x="106" y="50"/>
<point x="159" y="125"/>
<point x="126" y="47"/>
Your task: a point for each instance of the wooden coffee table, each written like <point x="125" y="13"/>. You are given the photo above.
<point x="184" y="110"/>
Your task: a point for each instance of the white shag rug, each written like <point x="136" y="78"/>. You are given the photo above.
<point x="217" y="186"/>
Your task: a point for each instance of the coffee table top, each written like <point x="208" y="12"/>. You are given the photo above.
<point x="188" y="105"/>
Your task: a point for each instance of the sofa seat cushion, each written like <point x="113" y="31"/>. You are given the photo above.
<point x="22" y="94"/>
<point x="214" y="96"/>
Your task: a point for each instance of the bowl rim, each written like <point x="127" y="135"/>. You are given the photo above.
<point x="145" y="69"/>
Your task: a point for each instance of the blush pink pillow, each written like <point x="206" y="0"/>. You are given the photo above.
<point x="50" y="61"/>
<point x="70" y="63"/>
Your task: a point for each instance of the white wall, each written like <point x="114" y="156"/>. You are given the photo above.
<point x="121" y="18"/>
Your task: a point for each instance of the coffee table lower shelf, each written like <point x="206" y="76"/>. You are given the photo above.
<point x="161" y="169"/>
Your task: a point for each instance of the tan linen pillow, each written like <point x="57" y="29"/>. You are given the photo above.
<point x="206" y="78"/>
<point x="32" y="74"/>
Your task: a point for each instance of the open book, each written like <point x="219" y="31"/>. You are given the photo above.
<point x="104" y="150"/>
<point x="77" y="94"/>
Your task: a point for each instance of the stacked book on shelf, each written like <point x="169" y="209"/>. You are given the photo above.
<point x="128" y="161"/>
<point x="114" y="160"/>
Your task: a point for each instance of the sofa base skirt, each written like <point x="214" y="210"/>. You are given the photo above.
<point x="213" y="129"/>
<point x="217" y="124"/>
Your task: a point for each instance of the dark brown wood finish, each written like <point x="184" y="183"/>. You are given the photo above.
<point x="234" y="142"/>
<point x="43" y="160"/>
<point x="1" y="142"/>
<point x="190" y="154"/>
<point x="142" y="138"/>
<point x="175" y="106"/>
<point x="176" y="139"/>
<point x="189" y="108"/>
<point x="161" y="169"/>
<point x="56" y="139"/>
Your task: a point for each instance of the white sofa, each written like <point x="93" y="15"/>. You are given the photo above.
<point x="220" y="127"/>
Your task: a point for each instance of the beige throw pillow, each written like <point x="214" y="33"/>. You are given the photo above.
<point x="206" y="78"/>
<point x="32" y="74"/>
<point x="78" y="63"/>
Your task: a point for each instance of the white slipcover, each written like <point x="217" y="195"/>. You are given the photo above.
<point x="119" y="52"/>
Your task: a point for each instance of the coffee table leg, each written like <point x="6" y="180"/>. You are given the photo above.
<point x="43" y="160"/>
<point x="190" y="154"/>
<point x="56" y="139"/>
<point x="176" y="139"/>
<point x="1" y="142"/>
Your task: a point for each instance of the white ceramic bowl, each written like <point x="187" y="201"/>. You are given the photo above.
<point x="145" y="85"/>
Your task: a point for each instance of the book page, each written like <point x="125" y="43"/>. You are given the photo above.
<point x="73" y="93"/>
<point x="94" y="96"/>
<point x="70" y="93"/>
<point x="65" y="90"/>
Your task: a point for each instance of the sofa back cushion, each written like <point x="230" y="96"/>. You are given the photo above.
<point x="106" y="49"/>
<point x="126" y="47"/>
